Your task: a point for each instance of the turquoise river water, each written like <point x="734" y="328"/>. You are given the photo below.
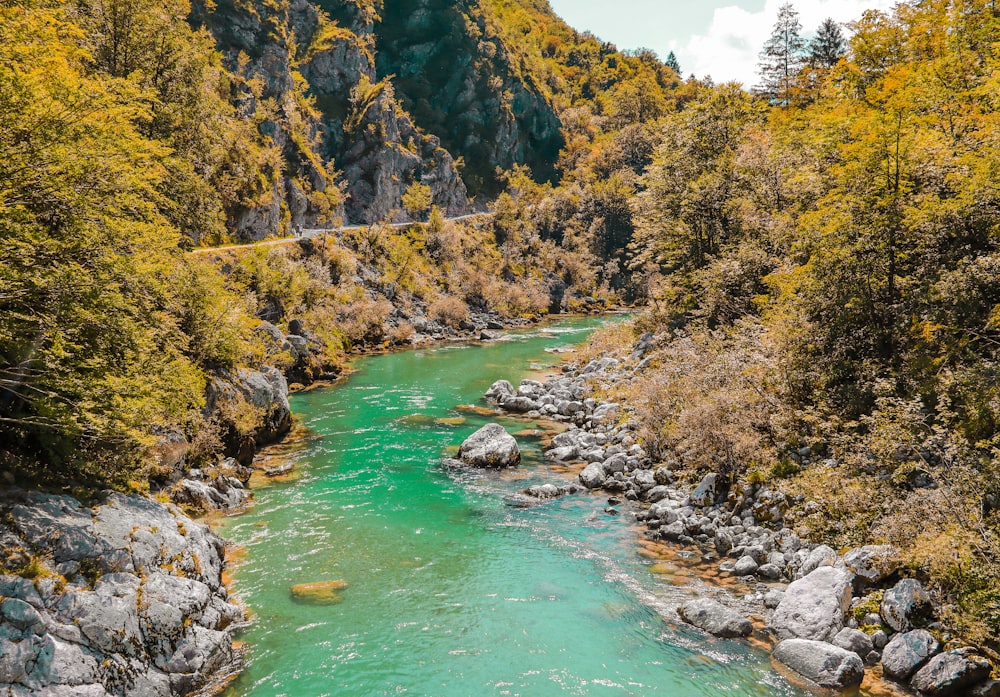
<point x="453" y="592"/>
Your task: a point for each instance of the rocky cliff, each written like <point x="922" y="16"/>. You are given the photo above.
<point x="312" y="85"/>
<point x="124" y="598"/>
<point x="368" y="101"/>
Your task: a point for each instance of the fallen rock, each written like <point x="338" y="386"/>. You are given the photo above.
<point x="906" y="605"/>
<point x="824" y="664"/>
<point x="715" y="618"/>
<point x="950" y="673"/>
<point x="906" y="653"/>
<point x="490" y="446"/>
<point x="814" y="607"/>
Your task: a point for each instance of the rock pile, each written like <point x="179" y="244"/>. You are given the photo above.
<point x="125" y="598"/>
<point x="833" y="614"/>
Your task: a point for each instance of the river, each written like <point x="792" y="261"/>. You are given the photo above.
<point x="453" y="592"/>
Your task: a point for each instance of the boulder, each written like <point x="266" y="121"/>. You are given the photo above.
<point x="951" y="673"/>
<point x="490" y="446"/>
<point x="817" y="557"/>
<point x="906" y="605"/>
<point x="854" y="640"/>
<point x="906" y="653"/>
<point x="745" y="566"/>
<point x="814" y="607"/>
<point x="707" y="491"/>
<point x="568" y="452"/>
<point x="872" y="564"/>
<point x="824" y="664"/>
<point x="499" y="391"/>
<point x="715" y="618"/>
<point x="593" y="476"/>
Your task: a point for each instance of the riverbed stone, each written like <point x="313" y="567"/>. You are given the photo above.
<point x="906" y="653"/>
<point x="814" y="607"/>
<point x="492" y="447"/>
<point x="593" y="475"/>
<point x="951" y="673"/>
<point x="745" y="566"/>
<point x="500" y="391"/>
<point x="854" y="640"/>
<point x="715" y="618"/>
<point x="824" y="664"/>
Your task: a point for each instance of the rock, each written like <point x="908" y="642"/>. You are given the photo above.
<point x="854" y="640"/>
<point x="500" y="391"/>
<point x="706" y="493"/>
<point x="906" y="653"/>
<point x="906" y="605"/>
<point x="157" y="588"/>
<point x="872" y="563"/>
<point x="771" y="572"/>
<point x="543" y="491"/>
<point x="814" y="607"/>
<point x="593" y="476"/>
<point x="562" y="454"/>
<point x="880" y="639"/>
<point x="319" y="592"/>
<point x="951" y="673"/>
<point x="819" y="556"/>
<point x="715" y="618"/>
<point x="987" y="689"/>
<point x="824" y="664"/>
<point x="745" y="566"/>
<point x="490" y="446"/>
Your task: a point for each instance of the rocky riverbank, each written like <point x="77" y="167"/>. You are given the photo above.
<point x="123" y="598"/>
<point x="830" y="616"/>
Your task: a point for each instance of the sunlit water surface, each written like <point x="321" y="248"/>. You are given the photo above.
<point x="453" y="592"/>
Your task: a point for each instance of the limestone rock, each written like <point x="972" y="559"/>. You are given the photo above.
<point x="906" y="605"/>
<point x="715" y="618"/>
<point x="951" y="673"/>
<point x="906" y="653"/>
<point x="824" y="664"/>
<point x="814" y="607"/>
<point x="490" y="446"/>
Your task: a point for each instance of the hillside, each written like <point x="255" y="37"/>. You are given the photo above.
<point x="132" y="131"/>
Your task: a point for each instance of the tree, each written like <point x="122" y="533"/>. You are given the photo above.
<point x="782" y="57"/>
<point x="672" y="63"/>
<point x="417" y="200"/>
<point x="828" y="46"/>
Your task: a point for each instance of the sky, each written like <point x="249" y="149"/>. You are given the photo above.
<point x="716" y="38"/>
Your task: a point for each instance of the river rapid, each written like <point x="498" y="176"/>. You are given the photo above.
<point x="454" y="591"/>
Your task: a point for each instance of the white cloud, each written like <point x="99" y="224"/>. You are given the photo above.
<point x="729" y="48"/>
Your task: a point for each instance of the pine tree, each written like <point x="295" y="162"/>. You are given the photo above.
<point x="782" y="57"/>
<point x="828" y="45"/>
<point x="672" y="63"/>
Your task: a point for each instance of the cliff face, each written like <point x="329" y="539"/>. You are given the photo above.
<point x="458" y="78"/>
<point x="367" y="101"/>
<point x="312" y="84"/>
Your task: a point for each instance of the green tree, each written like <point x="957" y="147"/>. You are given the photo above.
<point x="828" y="46"/>
<point x="782" y="57"/>
<point x="673" y="63"/>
